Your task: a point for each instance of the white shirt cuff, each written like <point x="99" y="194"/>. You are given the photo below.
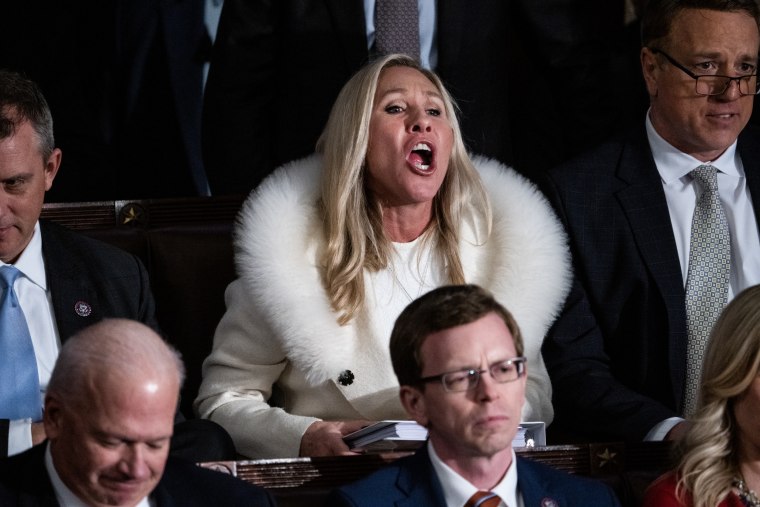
<point x="661" y="429"/>
<point x="19" y="436"/>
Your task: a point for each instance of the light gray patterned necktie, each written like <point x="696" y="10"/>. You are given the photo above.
<point x="707" y="278"/>
<point x="397" y="27"/>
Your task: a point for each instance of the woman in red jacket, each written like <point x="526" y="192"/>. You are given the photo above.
<point x="720" y="454"/>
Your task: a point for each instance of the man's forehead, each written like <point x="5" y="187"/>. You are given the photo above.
<point x="23" y="138"/>
<point x="123" y="434"/>
<point x="489" y="332"/>
<point x="129" y="422"/>
<point x="707" y="30"/>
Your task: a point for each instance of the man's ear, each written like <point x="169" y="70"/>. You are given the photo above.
<point x="51" y="167"/>
<point x="52" y="417"/>
<point x="650" y="68"/>
<point x="413" y="401"/>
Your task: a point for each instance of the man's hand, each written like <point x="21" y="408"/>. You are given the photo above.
<point x="38" y="433"/>
<point x="325" y="438"/>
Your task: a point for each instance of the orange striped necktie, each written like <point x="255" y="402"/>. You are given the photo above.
<point x="483" y="499"/>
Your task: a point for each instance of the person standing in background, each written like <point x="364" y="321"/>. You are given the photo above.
<point x="526" y="75"/>
<point x="124" y="79"/>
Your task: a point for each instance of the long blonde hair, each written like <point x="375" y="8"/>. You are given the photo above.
<point x="708" y="451"/>
<point x="355" y="238"/>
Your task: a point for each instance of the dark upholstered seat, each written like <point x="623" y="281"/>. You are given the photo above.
<point x="186" y="246"/>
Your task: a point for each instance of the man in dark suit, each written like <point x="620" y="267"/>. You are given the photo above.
<point x="457" y="354"/>
<point x="66" y="281"/>
<point x="277" y="68"/>
<point x="109" y="412"/>
<point x="618" y="354"/>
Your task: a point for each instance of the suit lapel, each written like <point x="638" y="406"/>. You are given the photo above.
<point x="185" y="40"/>
<point x="137" y="24"/>
<point x="532" y="486"/>
<point x="160" y="496"/>
<point x="418" y="481"/>
<point x="749" y="151"/>
<point x="65" y="283"/>
<point x="35" y="488"/>
<point x="450" y="14"/>
<point x="642" y="199"/>
<point x="348" y="18"/>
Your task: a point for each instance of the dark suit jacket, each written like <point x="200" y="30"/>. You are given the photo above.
<point x="124" y="82"/>
<point x="412" y="482"/>
<point x="111" y="282"/>
<point x="278" y="66"/>
<point x="24" y="482"/>
<point x="161" y="44"/>
<point x="617" y="354"/>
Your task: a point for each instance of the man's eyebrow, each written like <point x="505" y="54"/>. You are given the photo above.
<point x="716" y="55"/>
<point x="123" y="438"/>
<point x="105" y="435"/>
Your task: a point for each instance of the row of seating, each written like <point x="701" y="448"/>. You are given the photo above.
<point x="186" y="246"/>
<point x="627" y="468"/>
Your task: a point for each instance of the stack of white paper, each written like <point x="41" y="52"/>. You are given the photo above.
<point x="387" y="436"/>
<point x="408" y="435"/>
<point x="530" y="434"/>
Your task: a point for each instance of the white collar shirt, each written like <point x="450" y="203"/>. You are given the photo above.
<point x="457" y="490"/>
<point x="681" y="192"/>
<point x="36" y="302"/>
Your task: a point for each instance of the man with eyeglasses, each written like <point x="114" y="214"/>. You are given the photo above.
<point x="457" y="354"/>
<point x="663" y="228"/>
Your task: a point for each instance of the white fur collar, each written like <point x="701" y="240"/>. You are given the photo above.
<point x="278" y="233"/>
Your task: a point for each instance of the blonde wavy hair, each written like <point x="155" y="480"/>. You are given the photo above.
<point x="709" y="451"/>
<point x="355" y="238"/>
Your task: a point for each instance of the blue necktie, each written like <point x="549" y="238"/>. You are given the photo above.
<point x="19" y="382"/>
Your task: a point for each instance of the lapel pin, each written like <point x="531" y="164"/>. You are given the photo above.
<point x="346" y="378"/>
<point x="549" y="502"/>
<point x="82" y="309"/>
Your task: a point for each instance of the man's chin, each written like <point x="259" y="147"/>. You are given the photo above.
<point x="490" y="444"/>
<point x="124" y="494"/>
<point x="11" y="245"/>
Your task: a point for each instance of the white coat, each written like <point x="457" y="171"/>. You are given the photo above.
<point x="280" y="335"/>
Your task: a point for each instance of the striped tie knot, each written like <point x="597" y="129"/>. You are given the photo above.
<point x="483" y="499"/>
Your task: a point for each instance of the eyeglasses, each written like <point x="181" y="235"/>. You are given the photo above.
<point x="502" y="372"/>
<point x="714" y="84"/>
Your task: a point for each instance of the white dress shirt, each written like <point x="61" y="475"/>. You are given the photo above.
<point x="37" y="304"/>
<point x="428" y="32"/>
<point x="212" y="10"/>
<point x="457" y="490"/>
<point x="681" y="192"/>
